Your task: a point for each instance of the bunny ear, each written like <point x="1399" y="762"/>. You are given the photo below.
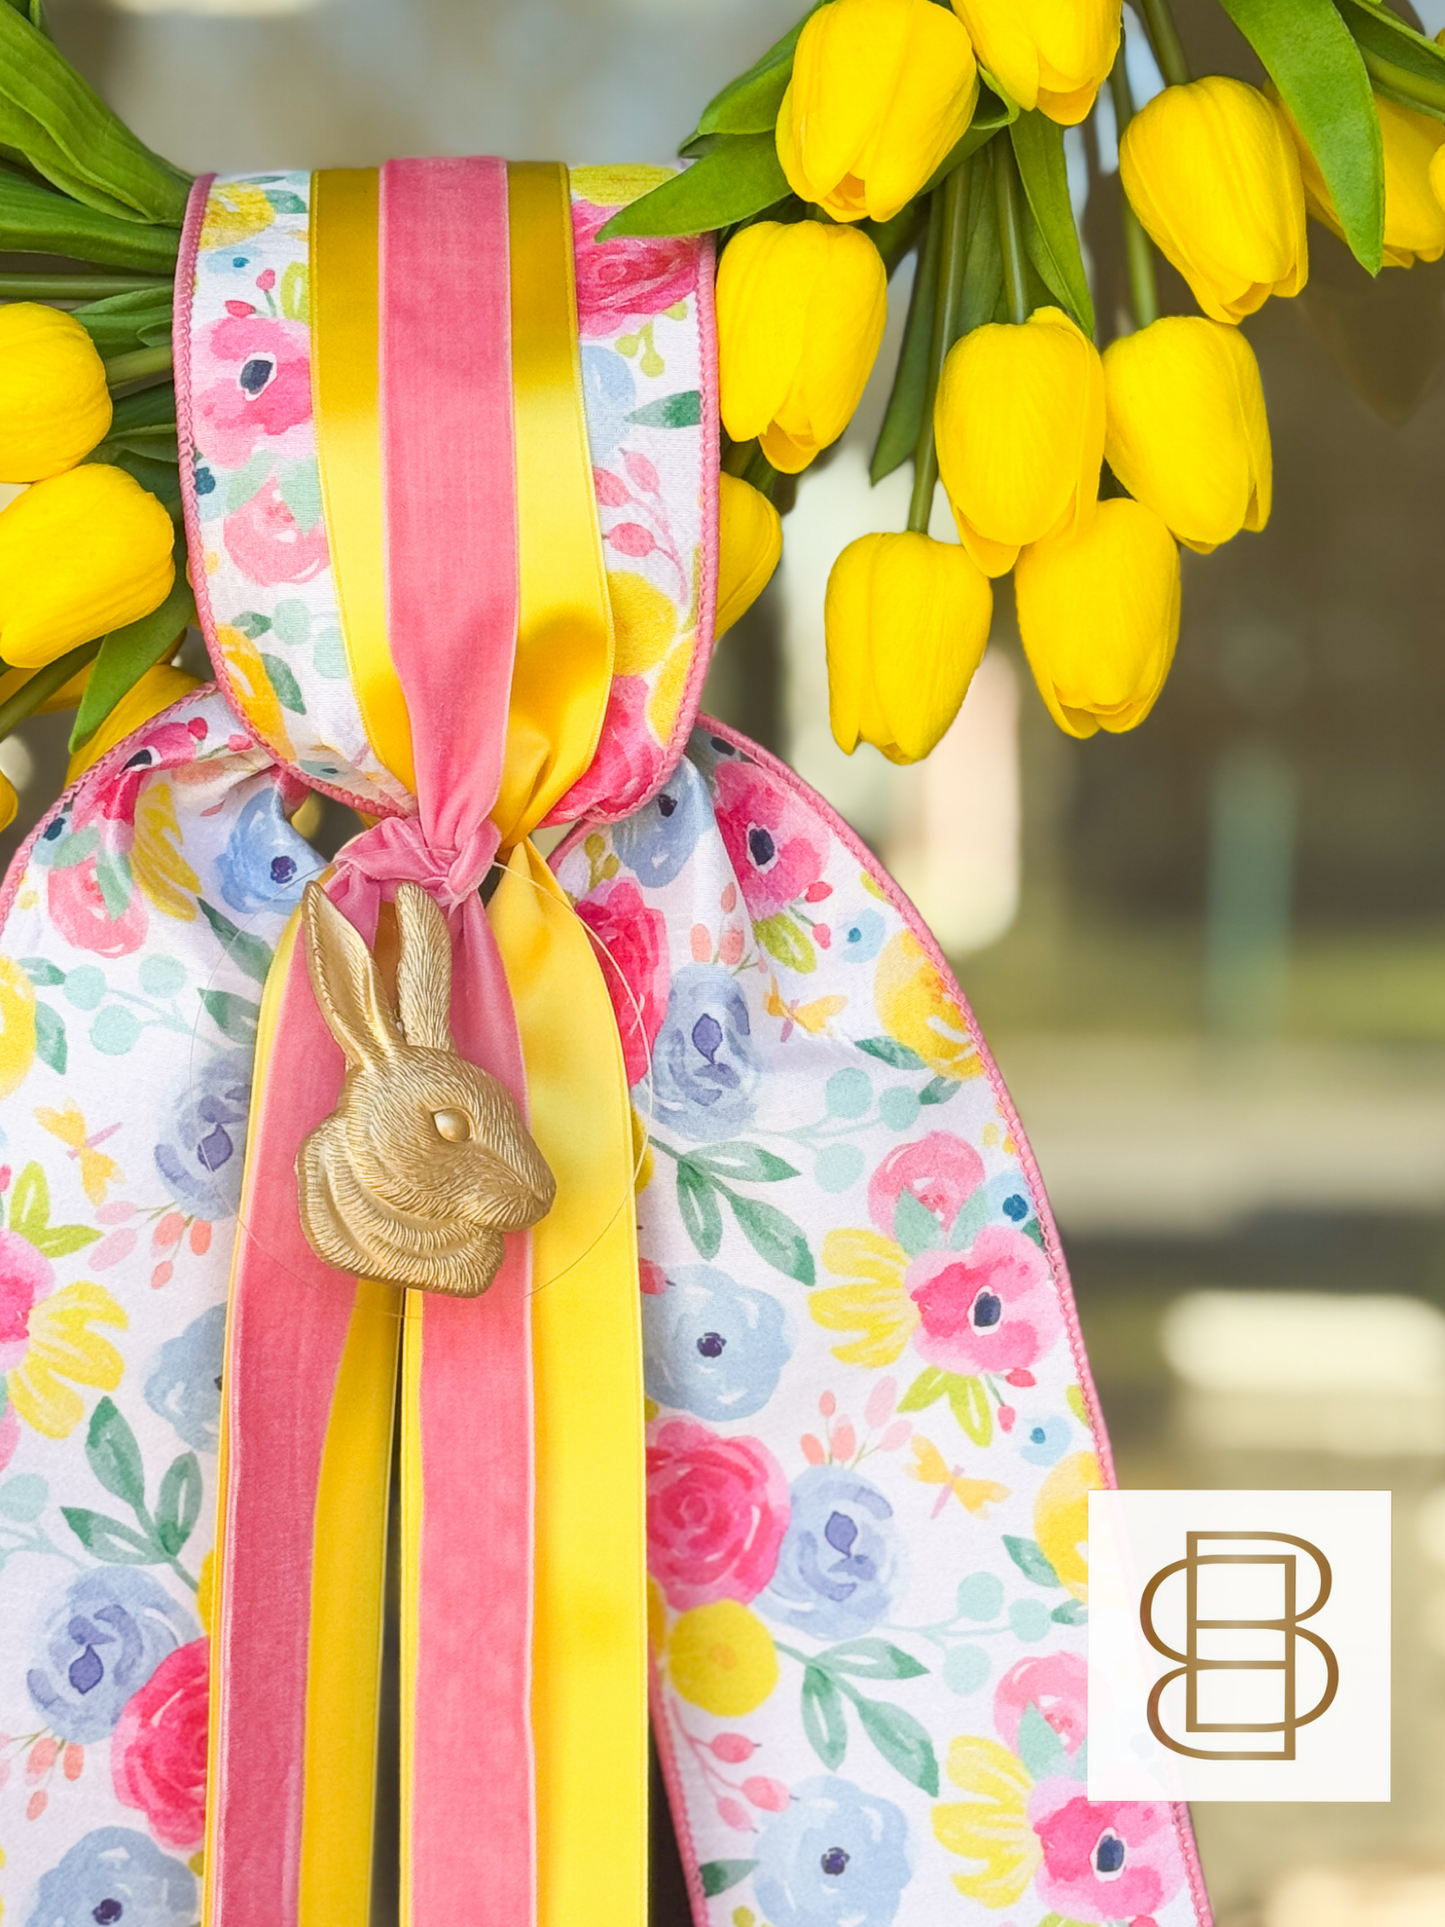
<point x="424" y="970"/>
<point x="347" y="983"/>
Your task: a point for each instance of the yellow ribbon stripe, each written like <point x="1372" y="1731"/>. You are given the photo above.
<point x="346" y="384"/>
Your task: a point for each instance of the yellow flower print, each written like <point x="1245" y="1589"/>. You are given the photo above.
<point x="721" y="1658"/>
<point x="992" y="1828"/>
<point x="234" y="212"/>
<point x="61" y="1346"/>
<point x="666" y="698"/>
<point x="644" y="621"/>
<point x="874" y="1304"/>
<point x="161" y="871"/>
<point x="918" y="1008"/>
<point x="251" y="689"/>
<point x="17" y="1025"/>
<point x="1061" y="1519"/>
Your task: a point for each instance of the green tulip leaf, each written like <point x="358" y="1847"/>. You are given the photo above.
<point x="983" y="262"/>
<point x="732" y="183"/>
<point x="122" y="322"/>
<point x="126" y="654"/>
<point x="1400" y="62"/>
<point x="70" y="137"/>
<point x="903" y="417"/>
<point x="1308" y="53"/>
<point x="749" y="104"/>
<point x="1053" y="240"/>
<point x="36" y="220"/>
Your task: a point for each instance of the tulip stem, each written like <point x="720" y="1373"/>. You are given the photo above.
<point x="138" y="365"/>
<point x="736" y="460"/>
<point x="1011" y="230"/>
<point x="948" y="225"/>
<point x="1164" y="37"/>
<point x="1138" y="253"/>
<point x="74" y="287"/>
<point x="43" y="684"/>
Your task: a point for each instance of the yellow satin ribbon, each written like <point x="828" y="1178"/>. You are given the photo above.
<point x="589" y="1643"/>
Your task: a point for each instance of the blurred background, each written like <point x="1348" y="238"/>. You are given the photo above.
<point x="1210" y="957"/>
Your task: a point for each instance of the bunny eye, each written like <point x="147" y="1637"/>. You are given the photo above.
<point x="454" y="1126"/>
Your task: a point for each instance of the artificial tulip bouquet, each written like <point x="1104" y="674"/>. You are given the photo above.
<point x="664" y="1190"/>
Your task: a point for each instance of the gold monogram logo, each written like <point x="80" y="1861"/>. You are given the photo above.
<point x="1265" y="1644"/>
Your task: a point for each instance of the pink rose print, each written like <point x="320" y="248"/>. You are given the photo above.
<point x="637" y="977"/>
<point x="629" y="279"/>
<point x="1057" y="1685"/>
<point x="25" y="1278"/>
<point x="717" y="1510"/>
<point x="252" y="388"/>
<point x="940" y="1170"/>
<point x="263" y="540"/>
<point x="989" y="1309"/>
<point x="777" y="847"/>
<point x="158" y="1754"/>
<point x="80" y="912"/>
<point x="1111" y="1860"/>
<point x="629" y="761"/>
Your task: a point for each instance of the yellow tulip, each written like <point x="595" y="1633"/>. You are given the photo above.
<point x="1050" y="54"/>
<point x="80" y="554"/>
<point x="1214" y="177"/>
<point x="800" y="314"/>
<point x="907" y="622"/>
<point x="1187" y="432"/>
<point x="9" y="802"/>
<point x="54" y="406"/>
<point x="1414" y="218"/>
<point x="1019" y="423"/>
<point x="1099" y="617"/>
<point x="750" y="540"/>
<point x="881" y="91"/>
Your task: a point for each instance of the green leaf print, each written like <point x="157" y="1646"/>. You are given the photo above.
<point x="823" y="1720"/>
<point x="30" y="1203"/>
<point x="697" y="1201"/>
<point x="902" y="1741"/>
<point x="718" y="1875"/>
<point x="914" y="1225"/>
<point x="929" y="1385"/>
<point x="774" y="1236"/>
<point x="114" y="1455"/>
<point x="247" y="952"/>
<point x="113" y="1543"/>
<point x="1073" y="1612"/>
<point x="235" y="1016"/>
<point x="968" y="1399"/>
<point x="888" y="1051"/>
<point x="50" y="1045"/>
<point x="871" y="1659"/>
<point x="938" y="1090"/>
<point x="1028" y="1556"/>
<point x="42" y="974"/>
<point x="288" y="690"/>
<point x="784" y="938"/>
<point x="179" y="1504"/>
<point x="743" y="1163"/>
<point x="62" y="1239"/>
<point x="682" y="410"/>
<point x="1039" y="1746"/>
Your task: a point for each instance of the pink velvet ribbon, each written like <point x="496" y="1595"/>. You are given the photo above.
<point x="452" y="580"/>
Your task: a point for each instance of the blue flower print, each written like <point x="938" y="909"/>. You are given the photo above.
<point x="657" y="841"/>
<point x="1044" y="1441"/>
<point x="101" y="1640"/>
<point x="711" y="1345"/>
<point x="834" y="1857"/>
<point x="1004" y="1201"/>
<point x="203" y="1160"/>
<point x="608" y="396"/>
<point x="837" y="1567"/>
<point x="265" y="864"/>
<point x="116" y="1877"/>
<point x="184" y="1385"/>
<point x="704" y="1062"/>
<point x="859" y="938"/>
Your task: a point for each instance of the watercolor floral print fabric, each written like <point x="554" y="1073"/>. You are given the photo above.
<point x="138" y="928"/>
<point x="870" y="1432"/>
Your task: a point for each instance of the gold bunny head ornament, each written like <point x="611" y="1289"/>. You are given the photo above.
<point x="425" y="1162"/>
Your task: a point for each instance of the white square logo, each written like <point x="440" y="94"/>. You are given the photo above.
<point x="1239" y="1645"/>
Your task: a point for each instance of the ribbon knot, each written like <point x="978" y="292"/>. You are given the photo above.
<point x="398" y="850"/>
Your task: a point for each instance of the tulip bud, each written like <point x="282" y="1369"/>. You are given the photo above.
<point x="907" y="622"/>
<point x="881" y="91"/>
<point x="54" y="406"/>
<point x="1214" y="177"/>
<point x="1050" y="54"/>
<point x="1414" y="219"/>
<point x="1099" y="617"/>
<point x="80" y="554"/>
<point x="1019" y="424"/>
<point x="800" y="314"/>
<point x="1187" y="432"/>
<point x="750" y="540"/>
<point x="9" y="802"/>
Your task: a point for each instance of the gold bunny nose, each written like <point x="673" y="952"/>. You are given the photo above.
<point x="454" y="1126"/>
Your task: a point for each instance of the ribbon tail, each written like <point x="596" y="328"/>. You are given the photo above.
<point x="589" y="1694"/>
